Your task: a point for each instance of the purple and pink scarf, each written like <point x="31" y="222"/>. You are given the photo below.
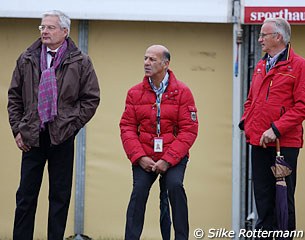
<point x="47" y="91"/>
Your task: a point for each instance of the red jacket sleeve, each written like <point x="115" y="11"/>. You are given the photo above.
<point x="129" y="131"/>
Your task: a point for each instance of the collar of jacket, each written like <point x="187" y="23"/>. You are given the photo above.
<point x="172" y="81"/>
<point x="35" y="49"/>
<point x="284" y="56"/>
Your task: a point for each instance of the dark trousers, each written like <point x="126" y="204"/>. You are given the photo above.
<point x="60" y="170"/>
<point x="264" y="186"/>
<point x="142" y="182"/>
<point x="165" y="219"/>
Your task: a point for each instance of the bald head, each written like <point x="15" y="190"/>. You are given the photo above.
<point x="156" y="62"/>
<point x="160" y="49"/>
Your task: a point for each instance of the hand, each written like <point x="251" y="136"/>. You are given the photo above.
<point x="160" y="166"/>
<point x="20" y="144"/>
<point x="146" y="163"/>
<point x="267" y="137"/>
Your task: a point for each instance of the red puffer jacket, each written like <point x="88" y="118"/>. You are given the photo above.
<point x="179" y="123"/>
<point x="277" y="100"/>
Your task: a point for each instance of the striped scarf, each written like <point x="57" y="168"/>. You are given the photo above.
<point x="47" y="90"/>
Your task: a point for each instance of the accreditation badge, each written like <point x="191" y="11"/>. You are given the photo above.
<point x="158" y="144"/>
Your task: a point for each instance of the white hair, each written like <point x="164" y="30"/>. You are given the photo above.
<point x="64" y="20"/>
<point x="282" y="27"/>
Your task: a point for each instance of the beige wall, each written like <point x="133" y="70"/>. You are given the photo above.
<point x="202" y="58"/>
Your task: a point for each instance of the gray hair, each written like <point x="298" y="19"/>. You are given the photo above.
<point x="64" y="20"/>
<point x="282" y="27"/>
<point x="166" y="55"/>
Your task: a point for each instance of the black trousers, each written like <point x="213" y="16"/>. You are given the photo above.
<point x="165" y="219"/>
<point x="142" y="182"/>
<point x="60" y="170"/>
<point x="264" y="185"/>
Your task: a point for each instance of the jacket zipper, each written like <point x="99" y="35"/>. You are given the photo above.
<point x="270" y="84"/>
<point x="66" y="61"/>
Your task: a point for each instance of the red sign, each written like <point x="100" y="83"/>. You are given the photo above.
<point x="254" y="15"/>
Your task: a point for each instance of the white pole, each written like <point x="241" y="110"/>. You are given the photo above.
<point x="236" y="115"/>
<point x="80" y="167"/>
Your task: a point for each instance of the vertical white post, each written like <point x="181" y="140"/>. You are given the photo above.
<point x="80" y="167"/>
<point x="236" y="115"/>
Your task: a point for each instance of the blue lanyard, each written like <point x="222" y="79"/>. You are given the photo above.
<point x="159" y="93"/>
<point x="158" y="103"/>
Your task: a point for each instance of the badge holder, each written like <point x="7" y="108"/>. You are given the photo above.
<point x="158" y="144"/>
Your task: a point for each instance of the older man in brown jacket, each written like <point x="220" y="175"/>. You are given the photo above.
<point x="54" y="92"/>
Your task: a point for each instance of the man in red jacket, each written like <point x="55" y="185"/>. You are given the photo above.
<point x="158" y="127"/>
<point x="275" y="108"/>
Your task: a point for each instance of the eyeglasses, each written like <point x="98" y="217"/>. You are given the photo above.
<point x="48" y="27"/>
<point x="263" y="35"/>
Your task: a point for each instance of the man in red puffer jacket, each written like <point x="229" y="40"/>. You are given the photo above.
<point x="158" y="127"/>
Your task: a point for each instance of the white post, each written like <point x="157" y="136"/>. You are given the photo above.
<point x="236" y="115"/>
<point x="80" y="167"/>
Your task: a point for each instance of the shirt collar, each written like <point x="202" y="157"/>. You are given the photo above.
<point x="273" y="59"/>
<point x="49" y="50"/>
<point x="163" y="84"/>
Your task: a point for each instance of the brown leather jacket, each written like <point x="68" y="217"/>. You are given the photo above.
<point x="78" y="95"/>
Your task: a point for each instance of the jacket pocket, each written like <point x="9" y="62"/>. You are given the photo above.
<point x="66" y="124"/>
<point x="268" y="114"/>
<point x="25" y="127"/>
